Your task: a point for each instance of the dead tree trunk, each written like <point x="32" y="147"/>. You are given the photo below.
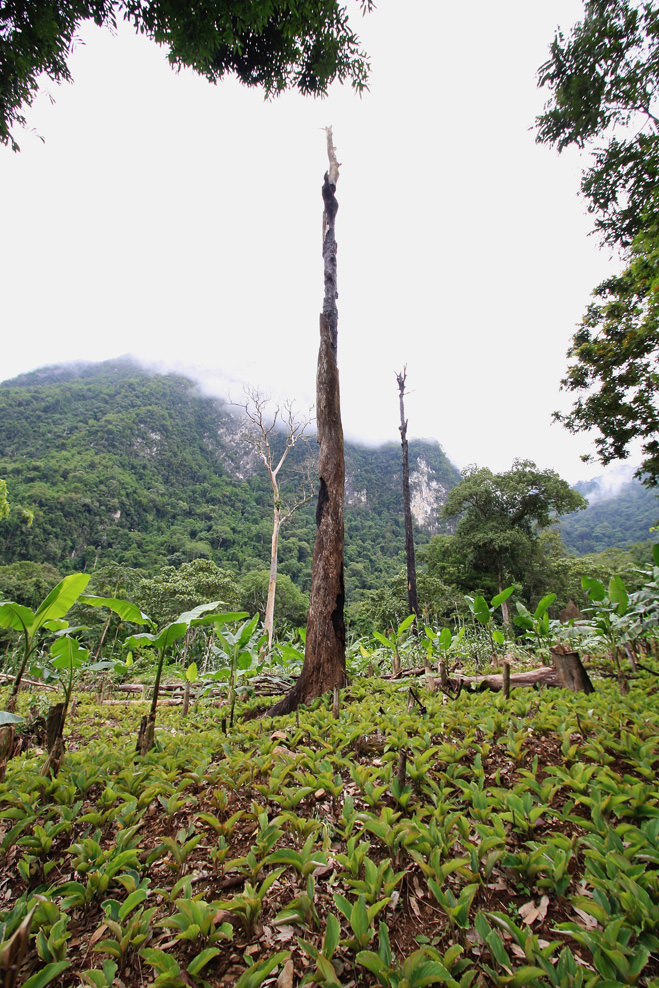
<point x="259" y="435"/>
<point x="269" y="620"/>
<point x="324" y="659"/>
<point x="412" y="597"/>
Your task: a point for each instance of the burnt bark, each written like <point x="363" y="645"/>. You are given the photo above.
<point x="410" y="560"/>
<point x="324" y="665"/>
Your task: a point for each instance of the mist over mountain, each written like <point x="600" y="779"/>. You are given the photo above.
<point x="120" y="464"/>
<point x="621" y="512"/>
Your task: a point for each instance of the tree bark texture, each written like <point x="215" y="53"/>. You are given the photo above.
<point x="269" y="621"/>
<point x="324" y="658"/>
<point x="412" y="597"/>
<point x="571" y="671"/>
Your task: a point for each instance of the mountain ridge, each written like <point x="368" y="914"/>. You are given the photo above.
<point x="120" y="463"/>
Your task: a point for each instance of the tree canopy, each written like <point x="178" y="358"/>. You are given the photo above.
<point x="501" y="515"/>
<point x="297" y="44"/>
<point x="613" y="369"/>
<point x="604" y="81"/>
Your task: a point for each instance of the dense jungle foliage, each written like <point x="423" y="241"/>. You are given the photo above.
<point x="133" y="476"/>
<point x="121" y="466"/>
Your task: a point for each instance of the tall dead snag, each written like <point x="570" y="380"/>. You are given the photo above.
<point x="412" y="597"/>
<point x="263" y="428"/>
<point x="324" y="659"/>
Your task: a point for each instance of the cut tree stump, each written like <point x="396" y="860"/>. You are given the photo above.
<point x="570" y="670"/>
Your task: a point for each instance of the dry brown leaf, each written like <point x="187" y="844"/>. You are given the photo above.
<point x="285" y="979"/>
<point x="415" y="907"/>
<point x="531" y="913"/>
<point x="589" y="921"/>
<point x="528" y="912"/>
<point x="95" y="936"/>
<point x="278" y="736"/>
<point x="323" y="870"/>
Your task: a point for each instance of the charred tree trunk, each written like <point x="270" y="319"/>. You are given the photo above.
<point x="324" y="657"/>
<point x="412" y="597"/>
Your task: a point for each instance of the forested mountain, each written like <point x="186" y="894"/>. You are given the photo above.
<point x="117" y="464"/>
<point x="613" y="519"/>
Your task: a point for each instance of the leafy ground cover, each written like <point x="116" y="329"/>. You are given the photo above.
<point x="479" y="841"/>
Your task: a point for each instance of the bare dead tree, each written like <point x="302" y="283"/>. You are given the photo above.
<point x="324" y="665"/>
<point x="264" y="425"/>
<point x="412" y="597"/>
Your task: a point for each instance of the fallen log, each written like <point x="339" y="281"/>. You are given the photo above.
<point x="544" y="676"/>
<point x="5" y="678"/>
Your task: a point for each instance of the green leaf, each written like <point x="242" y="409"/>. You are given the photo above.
<point x="501" y="597"/>
<point x="404" y="625"/>
<point x="15" y="616"/>
<point x="219" y="619"/>
<point x="332" y="935"/>
<point x="254" y="976"/>
<point x="326" y="970"/>
<point x="544" y="604"/>
<point x="160" y="960"/>
<point x="46" y="974"/>
<point x="68" y="653"/>
<point x="202" y="959"/>
<point x="523" y="975"/>
<point x="444" y="638"/>
<point x="359" y="918"/>
<point x="126" y="610"/>
<point x="481" y="610"/>
<point x="618" y="594"/>
<point x="372" y="962"/>
<point x="593" y="588"/>
<point x="384" y="950"/>
<point x="7" y="718"/>
<point x="60" y="599"/>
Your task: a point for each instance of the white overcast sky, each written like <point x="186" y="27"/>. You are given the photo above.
<point x="150" y="213"/>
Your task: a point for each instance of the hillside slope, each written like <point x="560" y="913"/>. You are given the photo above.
<point x="121" y="465"/>
<point x="614" y="518"/>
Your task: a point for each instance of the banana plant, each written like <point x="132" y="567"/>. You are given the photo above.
<point x="394" y="641"/>
<point x="444" y="641"/>
<point x="30" y="623"/>
<point x="537" y="624"/>
<point x="236" y="647"/>
<point x="607" y="612"/>
<point x="162" y="641"/>
<point x="67" y="658"/>
<point x="483" y="613"/>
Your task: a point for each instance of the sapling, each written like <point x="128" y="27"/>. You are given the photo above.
<point x="483" y="613"/>
<point x="394" y="641"/>
<point x="31" y="623"/>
